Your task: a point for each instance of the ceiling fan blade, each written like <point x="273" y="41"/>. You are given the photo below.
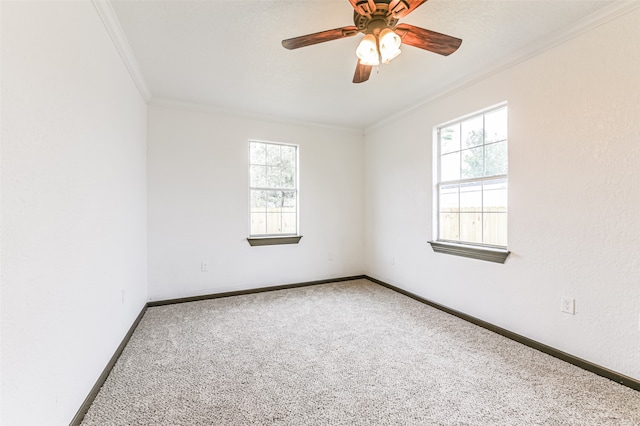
<point x="364" y="7"/>
<point x="401" y="8"/>
<point x="427" y="39"/>
<point x="321" y="37"/>
<point x="362" y="72"/>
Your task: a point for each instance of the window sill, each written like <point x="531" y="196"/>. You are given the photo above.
<point x="272" y="241"/>
<point x="475" y="252"/>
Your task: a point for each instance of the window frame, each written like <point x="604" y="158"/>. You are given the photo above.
<point x="480" y="251"/>
<point x="280" y="238"/>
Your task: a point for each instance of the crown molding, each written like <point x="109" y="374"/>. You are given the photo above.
<point x="590" y="22"/>
<point x="210" y="109"/>
<point x="113" y="27"/>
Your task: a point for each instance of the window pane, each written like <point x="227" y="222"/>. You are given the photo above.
<point x="258" y="201"/>
<point x="496" y="159"/>
<point x="288" y="155"/>
<point x="274" y="177"/>
<point x="472" y="163"/>
<point x="274" y="222"/>
<point x="495" y="126"/>
<point x="289" y="223"/>
<point x="257" y="153"/>
<point x="471" y="227"/>
<point x="450" y="167"/>
<point x="449" y="226"/>
<point x="495" y="229"/>
<point x="449" y="199"/>
<point x="472" y="132"/>
<point x="274" y="200"/>
<point x="258" y="224"/>
<point x="273" y="155"/>
<point x="450" y="139"/>
<point x="288" y="167"/>
<point x="288" y="179"/>
<point x="289" y="201"/>
<point x="471" y="197"/>
<point x="258" y="176"/>
<point x="495" y="196"/>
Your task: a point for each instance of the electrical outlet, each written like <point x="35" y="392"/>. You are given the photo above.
<point x="568" y="305"/>
<point x="204" y="266"/>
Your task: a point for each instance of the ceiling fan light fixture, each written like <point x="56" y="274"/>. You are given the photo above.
<point x="389" y="45"/>
<point x="386" y="58"/>
<point x="367" y="51"/>
<point x="378" y="21"/>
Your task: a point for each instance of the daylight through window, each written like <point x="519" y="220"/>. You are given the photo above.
<point x="273" y="191"/>
<point x="472" y="179"/>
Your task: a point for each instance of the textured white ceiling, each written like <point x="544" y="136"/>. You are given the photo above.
<point x="227" y="54"/>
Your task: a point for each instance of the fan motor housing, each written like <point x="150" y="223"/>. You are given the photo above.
<point x="377" y="21"/>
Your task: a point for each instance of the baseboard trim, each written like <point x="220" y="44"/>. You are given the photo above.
<point x="82" y="411"/>
<point x="556" y="353"/>
<point x="252" y="291"/>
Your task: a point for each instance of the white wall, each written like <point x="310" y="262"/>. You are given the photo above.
<point x="198" y="204"/>
<point x="73" y="207"/>
<point x="574" y="195"/>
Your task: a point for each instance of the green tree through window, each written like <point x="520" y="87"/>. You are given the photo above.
<point x="472" y="179"/>
<point x="273" y="188"/>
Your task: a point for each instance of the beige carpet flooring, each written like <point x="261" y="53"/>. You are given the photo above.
<point x="348" y="353"/>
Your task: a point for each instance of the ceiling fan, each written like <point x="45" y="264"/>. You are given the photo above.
<point x="378" y="21"/>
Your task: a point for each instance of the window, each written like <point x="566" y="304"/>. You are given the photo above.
<point x="273" y="193"/>
<point x="472" y="182"/>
